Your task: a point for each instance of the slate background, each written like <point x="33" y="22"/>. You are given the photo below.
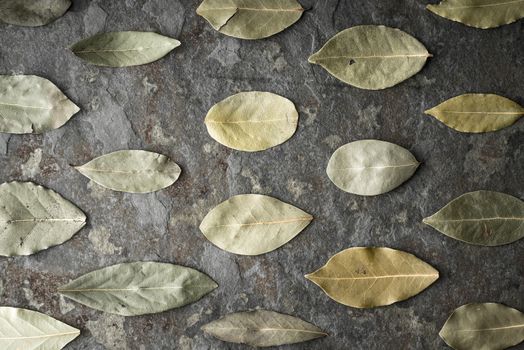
<point x="161" y="106"/>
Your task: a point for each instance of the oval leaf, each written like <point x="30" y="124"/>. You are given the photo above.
<point x="250" y="19"/>
<point x="33" y="218"/>
<point x="372" y="57"/>
<point x="132" y="171"/>
<point x="370" y="167"/>
<point x="123" y="49"/>
<point x="30" y="104"/>
<point x="32" y="13"/>
<point x="477" y="112"/>
<point x="483" y="218"/>
<point x="371" y="277"/>
<point x="480" y="13"/>
<point x="483" y="326"/>
<point x="253" y="224"/>
<point x="139" y="288"/>
<point x="31" y="330"/>
<point x="252" y="121"/>
<point x="262" y="328"/>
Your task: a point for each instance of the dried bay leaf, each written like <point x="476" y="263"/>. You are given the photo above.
<point x="123" y="49"/>
<point x="486" y="326"/>
<point x="32" y="13"/>
<point x="482" y="14"/>
<point x="483" y="218"/>
<point x="139" y="288"/>
<point x="477" y="113"/>
<point x="31" y="104"/>
<point x="370" y="167"/>
<point x="132" y="171"/>
<point x="22" y="329"/>
<point x="372" y="57"/>
<point x="370" y="277"/>
<point x="252" y="121"/>
<point x="250" y="19"/>
<point x="262" y="328"/>
<point x="253" y="224"/>
<point x="33" y="218"/>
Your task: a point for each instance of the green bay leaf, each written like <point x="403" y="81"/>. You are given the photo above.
<point x="123" y="49"/>
<point x="30" y="330"/>
<point x="252" y="121"/>
<point x="30" y="104"/>
<point x="32" y="13"/>
<point x="33" y="218"/>
<point x="369" y="277"/>
<point x="482" y="14"/>
<point x="370" y="167"/>
<point x="476" y="113"/>
<point x="250" y="19"/>
<point x="483" y="326"/>
<point x="262" y="328"/>
<point x="372" y="57"/>
<point x="482" y="218"/>
<point x="132" y="171"/>
<point x="139" y="288"/>
<point x="253" y="224"/>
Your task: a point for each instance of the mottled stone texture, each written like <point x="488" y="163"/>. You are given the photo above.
<point x="161" y="107"/>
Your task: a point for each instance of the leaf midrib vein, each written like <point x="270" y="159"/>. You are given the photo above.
<point x="24" y="106"/>
<point x="303" y="218"/>
<point x="255" y="9"/>
<point x="267" y="329"/>
<point x="118" y="289"/>
<point x="379" y="166"/>
<point x="121" y="50"/>
<point x="247" y="121"/>
<point x="476" y="112"/>
<point x="374" y="56"/>
<point x="480" y="6"/>
<point x="120" y="171"/>
<point x="491" y="329"/>
<point x="375" y="277"/>
<point x="479" y="219"/>
<point x="41" y="220"/>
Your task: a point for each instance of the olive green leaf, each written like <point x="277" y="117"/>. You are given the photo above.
<point x="22" y="329"/>
<point x="370" y="167"/>
<point x="252" y="121"/>
<point x="139" y="288"/>
<point x="482" y="217"/>
<point x="253" y="224"/>
<point x="371" y="277"/>
<point x="372" y="57"/>
<point x="33" y="218"/>
<point x="250" y="19"/>
<point x="30" y="104"/>
<point x="32" y="13"/>
<point x="480" y="13"/>
<point x="132" y="171"/>
<point x="487" y="326"/>
<point x="123" y="49"/>
<point x="262" y="328"/>
<point x="477" y="113"/>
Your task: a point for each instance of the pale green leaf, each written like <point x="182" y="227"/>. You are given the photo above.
<point x="139" y="288"/>
<point x="33" y="218"/>
<point x="30" y="104"/>
<point x="122" y="49"/>
<point x="32" y="13"/>
<point x="22" y="329"/>
<point x="262" y="328"/>
<point x="370" y="167"/>
<point x="483" y="218"/>
<point x="252" y="121"/>
<point x="370" y="277"/>
<point x="480" y="13"/>
<point x="487" y="326"/>
<point x="372" y="57"/>
<point x="477" y="113"/>
<point x="132" y="171"/>
<point x="253" y="224"/>
<point x="250" y="19"/>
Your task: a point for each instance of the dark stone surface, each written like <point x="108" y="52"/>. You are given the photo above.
<point x="161" y="107"/>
